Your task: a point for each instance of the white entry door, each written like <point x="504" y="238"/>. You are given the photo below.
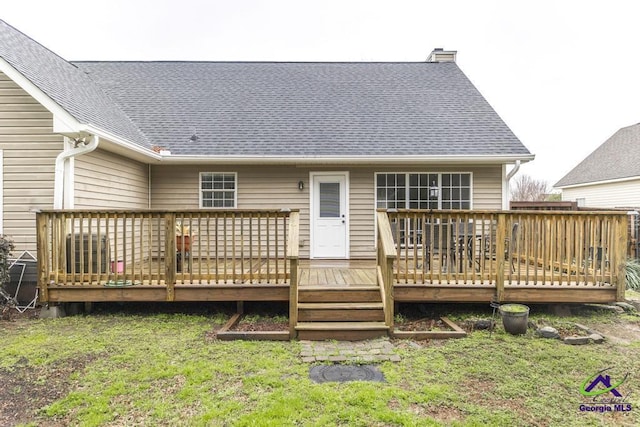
<point x="329" y="215"/>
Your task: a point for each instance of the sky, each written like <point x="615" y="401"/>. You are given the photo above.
<point x="564" y="75"/>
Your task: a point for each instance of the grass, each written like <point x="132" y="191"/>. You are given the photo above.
<point x="115" y="369"/>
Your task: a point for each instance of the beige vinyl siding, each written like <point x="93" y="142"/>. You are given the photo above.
<point x="108" y="180"/>
<point x="177" y="187"/>
<point x="29" y="150"/>
<point x="609" y="195"/>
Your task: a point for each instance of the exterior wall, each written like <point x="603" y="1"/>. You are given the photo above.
<point x="611" y="195"/>
<point x="176" y="187"/>
<point x="29" y="149"/>
<point x="108" y="180"/>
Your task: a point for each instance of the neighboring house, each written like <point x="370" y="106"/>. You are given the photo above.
<point x="334" y="140"/>
<point x="610" y="176"/>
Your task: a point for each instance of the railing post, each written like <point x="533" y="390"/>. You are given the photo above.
<point x="42" y="255"/>
<point x="621" y="256"/>
<point x="170" y="254"/>
<point x="292" y="253"/>
<point x="501" y="235"/>
<point x="385" y="258"/>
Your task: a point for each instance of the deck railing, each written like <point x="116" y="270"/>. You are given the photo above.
<point x="385" y="257"/>
<point x="501" y="248"/>
<point x="120" y="248"/>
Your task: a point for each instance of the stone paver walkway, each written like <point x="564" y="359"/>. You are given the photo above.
<point x="377" y="350"/>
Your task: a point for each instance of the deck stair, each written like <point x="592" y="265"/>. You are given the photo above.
<point x="340" y="312"/>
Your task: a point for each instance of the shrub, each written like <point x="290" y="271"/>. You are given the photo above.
<point x="6" y="246"/>
<point x="632" y="273"/>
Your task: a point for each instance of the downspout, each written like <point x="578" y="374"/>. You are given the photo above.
<point x="82" y="146"/>
<point x="513" y="171"/>
<point x="511" y="174"/>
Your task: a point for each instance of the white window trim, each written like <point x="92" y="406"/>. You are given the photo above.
<point x="235" y="191"/>
<point x="471" y="188"/>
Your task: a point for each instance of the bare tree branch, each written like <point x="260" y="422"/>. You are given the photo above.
<point x="528" y="189"/>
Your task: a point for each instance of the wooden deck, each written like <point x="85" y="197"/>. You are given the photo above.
<point x="422" y="256"/>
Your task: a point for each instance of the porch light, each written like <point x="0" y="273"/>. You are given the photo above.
<point x="300" y="185"/>
<point x="433" y="190"/>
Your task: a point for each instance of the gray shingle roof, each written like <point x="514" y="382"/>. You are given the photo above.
<point x="272" y="109"/>
<point x="618" y="157"/>
<point x="68" y="86"/>
<point x="307" y="109"/>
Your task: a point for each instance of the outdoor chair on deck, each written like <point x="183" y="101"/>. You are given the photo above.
<point x="510" y="246"/>
<point x="440" y="240"/>
<point x="406" y="242"/>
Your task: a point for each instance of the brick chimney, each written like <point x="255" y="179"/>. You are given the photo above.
<point x="441" y="55"/>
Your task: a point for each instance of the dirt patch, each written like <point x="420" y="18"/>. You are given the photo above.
<point x="444" y="414"/>
<point x="25" y="389"/>
<point x="10" y="314"/>
<point x="619" y="332"/>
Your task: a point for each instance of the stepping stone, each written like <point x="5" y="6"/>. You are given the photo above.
<point x="344" y="373"/>
<point x="548" y="332"/>
<point x="596" y="338"/>
<point x="576" y="340"/>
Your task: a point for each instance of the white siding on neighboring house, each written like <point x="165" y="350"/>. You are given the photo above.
<point x="177" y="187"/>
<point x="108" y="180"/>
<point x="608" y="195"/>
<point x="29" y="151"/>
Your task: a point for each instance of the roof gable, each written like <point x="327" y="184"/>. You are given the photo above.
<point x="617" y="158"/>
<point x="66" y="85"/>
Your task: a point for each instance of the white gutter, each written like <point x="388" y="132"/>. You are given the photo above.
<point x="83" y="147"/>
<point x="93" y="130"/>
<point x="336" y="160"/>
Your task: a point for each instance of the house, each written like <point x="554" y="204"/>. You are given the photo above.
<point x="215" y="181"/>
<point x="333" y="140"/>
<point x="609" y="177"/>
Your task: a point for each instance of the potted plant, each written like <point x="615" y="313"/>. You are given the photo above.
<point x="183" y="237"/>
<point x="515" y="318"/>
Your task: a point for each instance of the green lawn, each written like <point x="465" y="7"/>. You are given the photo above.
<point x="123" y="369"/>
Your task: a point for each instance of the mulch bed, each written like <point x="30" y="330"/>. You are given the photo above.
<point x="264" y="324"/>
<point x="424" y="324"/>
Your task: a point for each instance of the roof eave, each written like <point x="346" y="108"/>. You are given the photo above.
<point x="139" y="150"/>
<point x="606" y="181"/>
<point x="354" y="160"/>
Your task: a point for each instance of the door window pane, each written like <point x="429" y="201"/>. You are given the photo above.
<point x="329" y="200"/>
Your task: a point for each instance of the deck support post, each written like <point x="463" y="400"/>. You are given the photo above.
<point x="170" y="254"/>
<point x="501" y="236"/>
<point x="42" y="255"/>
<point x="621" y="256"/>
<point x="293" y="254"/>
